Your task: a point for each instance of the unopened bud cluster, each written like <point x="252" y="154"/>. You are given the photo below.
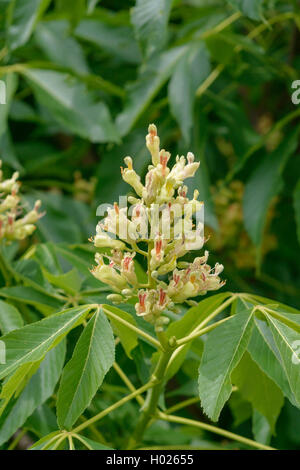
<point x="170" y="280"/>
<point x="14" y="225"/>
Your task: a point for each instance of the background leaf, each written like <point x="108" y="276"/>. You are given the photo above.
<point x="10" y="318"/>
<point x="150" y="23"/>
<point x="22" y="17"/>
<point x="190" y="72"/>
<point x="72" y="105"/>
<point x="297" y="208"/>
<point x="264" y="183"/>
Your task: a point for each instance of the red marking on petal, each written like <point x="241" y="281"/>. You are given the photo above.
<point x="162" y="297"/>
<point x="158" y="247"/>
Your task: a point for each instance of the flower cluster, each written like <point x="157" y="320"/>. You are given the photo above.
<point x="159" y="224"/>
<point x="13" y="224"/>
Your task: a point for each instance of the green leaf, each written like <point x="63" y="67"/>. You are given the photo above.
<point x="70" y="282"/>
<point x="195" y="315"/>
<point x="10" y="86"/>
<point x="187" y="324"/>
<point x="118" y="41"/>
<point x="21" y="20"/>
<point x="44" y="302"/>
<point x="93" y="356"/>
<point x="42" y="421"/>
<point x="30" y="343"/>
<point x="37" y="391"/>
<point x="59" y="47"/>
<point x="264" y="183"/>
<point x="8" y="155"/>
<point x="93" y="445"/>
<point x="297" y="208"/>
<point x="46" y="443"/>
<point x="261" y="428"/>
<point x="151" y="78"/>
<point x="202" y="180"/>
<point x="59" y="208"/>
<point x="240" y="408"/>
<point x="72" y="105"/>
<point x="287" y="342"/>
<point x="14" y="383"/>
<point x="79" y="256"/>
<point x="30" y="272"/>
<point x="128" y="338"/>
<point x="190" y="72"/>
<point x="254" y="385"/>
<point x="150" y="21"/>
<point x="223" y="350"/>
<point x="45" y="254"/>
<point x="91" y="5"/>
<point x="264" y="352"/>
<point x="220" y="49"/>
<point x="251" y="8"/>
<point x="10" y="318"/>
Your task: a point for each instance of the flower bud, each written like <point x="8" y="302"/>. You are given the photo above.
<point x="115" y="298"/>
<point x="152" y="143"/>
<point x="131" y="177"/>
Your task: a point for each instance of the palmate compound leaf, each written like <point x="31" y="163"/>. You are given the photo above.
<point x="257" y="388"/>
<point x="223" y="350"/>
<point x="93" y="356"/>
<point x="30" y="343"/>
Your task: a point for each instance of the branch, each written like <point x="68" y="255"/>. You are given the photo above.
<point x="113" y="407"/>
<point x="214" y="429"/>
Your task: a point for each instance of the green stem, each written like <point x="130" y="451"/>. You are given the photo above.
<point x="214" y="429"/>
<point x="127" y="382"/>
<point x="82" y="440"/>
<point x="113" y="407"/>
<point x="17" y="439"/>
<point x="183" y="404"/>
<point x="195" y="335"/>
<point x="71" y="444"/>
<point x="150" y="407"/>
<point x="219" y="27"/>
<point x="204" y="322"/>
<point x="94" y="431"/>
<point x="132" y="327"/>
